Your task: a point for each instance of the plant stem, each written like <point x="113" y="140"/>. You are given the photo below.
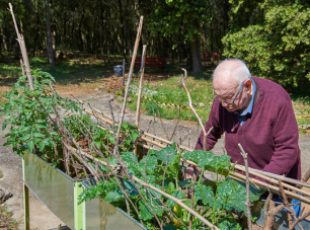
<point x="248" y="203"/>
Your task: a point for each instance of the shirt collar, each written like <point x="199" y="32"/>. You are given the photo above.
<point x="249" y="109"/>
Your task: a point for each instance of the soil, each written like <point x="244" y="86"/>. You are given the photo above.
<point x="40" y="216"/>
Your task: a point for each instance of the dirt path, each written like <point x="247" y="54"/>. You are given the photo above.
<point x="40" y="216"/>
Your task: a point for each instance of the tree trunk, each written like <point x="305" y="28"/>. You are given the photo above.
<point x="122" y="28"/>
<point x="80" y="33"/>
<point x="128" y="42"/>
<point x="100" y="29"/>
<point x="36" y="37"/>
<point x="49" y="37"/>
<point x="63" y="40"/>
<point x="196" y="58"/>
<point x="106" y="36"/>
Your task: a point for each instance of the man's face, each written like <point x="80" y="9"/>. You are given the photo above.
<point x="227" y="91"/>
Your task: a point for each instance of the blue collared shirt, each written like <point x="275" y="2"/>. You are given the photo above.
<point x="244" y="115"/>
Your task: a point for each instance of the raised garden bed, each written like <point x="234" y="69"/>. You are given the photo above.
<point x="59" y="193"/>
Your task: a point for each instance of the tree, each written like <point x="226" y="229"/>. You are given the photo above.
<point x="49" y="37"/>
<point x="278" y="45"/>
<point x="180" y="18"/>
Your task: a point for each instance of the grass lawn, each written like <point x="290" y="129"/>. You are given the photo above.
<point x="84" y="73"/>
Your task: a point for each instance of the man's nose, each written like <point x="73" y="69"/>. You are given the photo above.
<point x="224" y="103"/>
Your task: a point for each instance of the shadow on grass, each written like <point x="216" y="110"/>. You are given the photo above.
<point x="68" y="72"/>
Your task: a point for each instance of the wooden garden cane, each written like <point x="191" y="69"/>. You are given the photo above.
<point x="21" y="41"/>
<point x="22" y="46"/>
<point x="140" y="86"/>
<point x="129" y="78"/>
<point x="140" y="92"/>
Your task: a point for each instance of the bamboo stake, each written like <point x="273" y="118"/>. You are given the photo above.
<point x="140" y="86"/>
<point x="105" y="115"/>
<point x="22" y="65"/>
<point x="288" y="208"/>
<point x="129" y="78"/>
<point x="248" y="203"/>
<point x="165" y="141"/>
<point x="22" y="46"/>
<point x="257" y="172"/>
<point x="272" y="212"/>
<point x="304" y="216"/>
<point x="194" y="111"/>
<point x="272" y="188"/>
<point x="267" y="202"/>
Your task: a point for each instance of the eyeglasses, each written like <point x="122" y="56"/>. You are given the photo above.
<point x="229" y="100"/>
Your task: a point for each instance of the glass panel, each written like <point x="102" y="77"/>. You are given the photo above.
<point x="51" y="186"/>
<point x="101" y="215"/>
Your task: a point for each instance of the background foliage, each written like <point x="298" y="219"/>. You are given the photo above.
<point x="276" y="44"/>
<point x="270" y="35"/>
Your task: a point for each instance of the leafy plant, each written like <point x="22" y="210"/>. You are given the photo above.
<point x="29" y="122"/>
<point x="161" y="169"/>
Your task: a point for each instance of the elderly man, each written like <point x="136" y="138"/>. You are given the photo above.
<point x="258" y="114"/>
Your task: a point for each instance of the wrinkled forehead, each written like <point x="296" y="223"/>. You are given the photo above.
<point x="224" y="83"/>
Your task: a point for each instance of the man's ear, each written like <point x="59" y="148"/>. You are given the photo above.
<point x="248" y="84"/>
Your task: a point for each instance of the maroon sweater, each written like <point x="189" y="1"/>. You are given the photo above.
<point x="269" y="135"/>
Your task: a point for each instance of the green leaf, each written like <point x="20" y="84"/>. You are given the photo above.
<point x="5" y="123"/>
<point x="174" y="167"/>
<point x="232" y="195"/>
<point x="131" y="161"/>
<point x="153" y="200"/>
<point x="220" y="162"/>
<point x="170" y="227"/>
<point x="25" y="137"/>
<point x="134" y="135"/>
<point x="206" y="159"/>
<point x="125" y="126"/>
<point x="111" y="138"/>
<point x="205" y="194"/>
<point x="171" y="188"/>
<point x="201" y="158"/>
<point x="148" y="163"/>
<point x="169" y="152"/>
<point x="145" y="212"/>
<point x="178" y="195"/>
<point x="130" y="188"/>
<point x="229" y="224"/>
<point x="185" y="184"/>
<point x="53" y="133"/>
<point x="30" y="146"/>
<point x="38" y="135"/>
<point x="114" y="195"/>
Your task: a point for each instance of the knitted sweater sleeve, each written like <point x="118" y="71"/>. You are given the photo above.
<point x="216" y="131"/>
<point x="284" y="131"/>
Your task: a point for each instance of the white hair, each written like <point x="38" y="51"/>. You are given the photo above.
<point x="240" y="72"/>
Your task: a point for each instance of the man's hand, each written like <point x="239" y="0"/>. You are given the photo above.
<point x="192" y="172"/>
